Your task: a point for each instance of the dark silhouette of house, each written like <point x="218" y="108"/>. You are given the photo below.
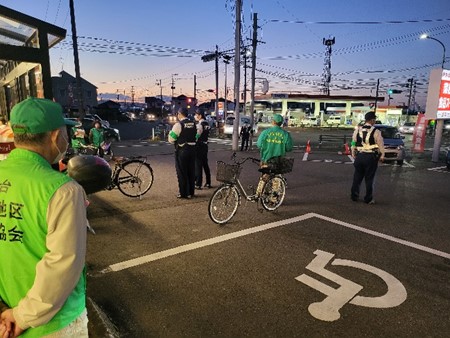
<point x="65" y="92"/>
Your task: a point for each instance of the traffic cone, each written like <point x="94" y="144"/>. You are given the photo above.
<point x="346" y="149"/>
<point x="308" y="147"/>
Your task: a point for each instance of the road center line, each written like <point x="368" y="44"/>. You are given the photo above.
<point x="210" y="241"/>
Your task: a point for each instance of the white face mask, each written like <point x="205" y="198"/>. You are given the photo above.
<point x="61" y="154"/>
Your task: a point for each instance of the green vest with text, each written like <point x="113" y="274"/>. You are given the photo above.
<point x="27" y="184"/>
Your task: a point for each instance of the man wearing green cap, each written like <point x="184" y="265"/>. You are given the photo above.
<point x="273" y="142"/>
<point x="42" y="229"/>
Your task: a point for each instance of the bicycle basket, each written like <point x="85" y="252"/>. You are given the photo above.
<point x="281" y="165"/>
<point x="227" y="172"/>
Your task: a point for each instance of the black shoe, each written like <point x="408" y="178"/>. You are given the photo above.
<point x="354" y="198"/>
<point x="189" y="197"/>
<point x="372" y="201"/>
<point x="198" y="187"/>
<point x="180" y="196"/>
<point x="209" y="186"/>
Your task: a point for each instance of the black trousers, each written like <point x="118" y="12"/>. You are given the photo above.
<point x="244" y="143"/>
<point x="185" y="167"/>
<point x="201" y="163"/>
<point x="366" y="165"/>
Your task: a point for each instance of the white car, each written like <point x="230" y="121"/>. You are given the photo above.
<point x="96" y="117"/>
<point x="310" y="121"/>
<point x="334" y="120"/>
<point x="229" y="122"/>
<point x="407" y="128"/>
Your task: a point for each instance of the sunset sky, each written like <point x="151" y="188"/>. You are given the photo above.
<point x="139" y="42"/>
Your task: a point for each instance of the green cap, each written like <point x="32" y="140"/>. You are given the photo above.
<point x="277" y="118"/>
<point x="36" y="116"/>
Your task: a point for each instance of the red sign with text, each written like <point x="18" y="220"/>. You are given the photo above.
<point x="419" y="134"/>
<point x="443" y="109"/>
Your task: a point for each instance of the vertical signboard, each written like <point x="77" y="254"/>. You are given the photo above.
<point x="443" y="109"/>
<point x="438" y="99"/>
<point x="419" y="134"/>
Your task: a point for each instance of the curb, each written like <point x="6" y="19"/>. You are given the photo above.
<point x="99" y="324"/>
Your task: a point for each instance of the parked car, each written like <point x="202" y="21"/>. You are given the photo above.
<point x="393" y="143"/>
<point x="123" y="117"/>
<point x="447" y="158"/>
<point x="310" y="121"/>
<point x="447" y="126"/>
<point x="88" y="124"/>
<point x="229" y="122"/>
<point x="407" y="128"/>
<point x="96" y="117"/>
<point x="334" y="120"/>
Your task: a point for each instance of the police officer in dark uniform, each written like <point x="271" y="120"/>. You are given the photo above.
<point x="245" y="133"/>
<point x="183" y="135"/>
<point x="367" y="150"/>
<point x="201" y="157"/>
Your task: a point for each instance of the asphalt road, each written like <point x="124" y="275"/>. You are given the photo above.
<point x="320" y="266"/>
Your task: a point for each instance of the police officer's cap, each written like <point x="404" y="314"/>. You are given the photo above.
<point x="370" y="116"/>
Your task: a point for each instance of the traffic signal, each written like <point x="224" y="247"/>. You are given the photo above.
<point x="394" y="91"/>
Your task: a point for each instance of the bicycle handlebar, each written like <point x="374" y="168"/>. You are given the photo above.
<point x="242" y="161"/>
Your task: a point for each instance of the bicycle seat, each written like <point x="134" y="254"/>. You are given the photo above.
<point x="265" y="170"/>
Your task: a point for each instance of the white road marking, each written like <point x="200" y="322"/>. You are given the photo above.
<point x="210" y="241"/>
<point x="442" y="169"/>
<point x="328" y="309"/>
<point x="351" y="158"/>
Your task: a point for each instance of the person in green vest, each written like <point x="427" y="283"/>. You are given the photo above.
<point x="273" y="142"/>
<point x="42" y="230"/>
<point x="78" y="139"/>
<point x="97" y="137"/>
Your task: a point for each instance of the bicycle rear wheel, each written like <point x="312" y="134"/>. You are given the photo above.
<point x="134" y="178"/>
<point x="273" y="193"/>
<point x="223" y="204"/>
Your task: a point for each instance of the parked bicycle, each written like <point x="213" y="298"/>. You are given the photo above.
<point x="226" y="199"/>
<point x="88" y="149"/>
<point x="133" y="176"/>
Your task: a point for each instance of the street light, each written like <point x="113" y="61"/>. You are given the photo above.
<point x="425" y="36"/>
<point x="440" y="122"/>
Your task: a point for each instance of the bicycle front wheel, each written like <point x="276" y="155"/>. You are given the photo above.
<point x="223" y="204"/>
<point x="273" y="193"/>
<point x="134" y="178"/>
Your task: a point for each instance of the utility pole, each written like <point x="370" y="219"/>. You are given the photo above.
<point x="245" y="79"/>
<point x="226" y="60"/>
<point x="252" y="92"/>
<point x="158" y="83"/>
<point x="327" y="66"/>
<point x="237" y="74"/>
<point x="172" y="87"/>
<point x="216" y="109"/>
<point x="410" y="85"/>
<point x="132" y="96"/>
<point x="195" y="89"/>
<point x="76" y="60"/>
<point x="376" y="96"/>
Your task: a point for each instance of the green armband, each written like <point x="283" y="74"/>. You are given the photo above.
<point x="173" y="135"/>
